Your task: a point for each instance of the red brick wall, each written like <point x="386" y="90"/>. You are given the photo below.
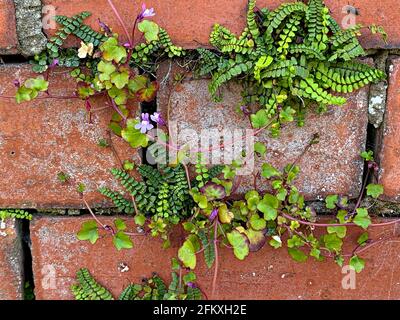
<point x="40" y="139"/>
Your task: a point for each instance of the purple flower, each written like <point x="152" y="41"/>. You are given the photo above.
<point x="127" y="45"/>
<point x="146" y="13"/>
<point x="105" y="27"/>
<point x="191" y="285"/>
<point x="145" y="124"/>
<point x="54" y="63"/>
<point x="245" y="110"/>
<point x="17" y="83"/>
<point x="157" y="118"/>
<point x="213" y="214"/>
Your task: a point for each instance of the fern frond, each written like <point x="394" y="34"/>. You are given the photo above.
<point x="119" y="200"/>
<point x="130" y="292"/>
<point x="88" y="288"/>
<point x="317" y="19"/>
<point x="134" y="187"/>
<point x="343" y="36"/>
<point x="168" y="46"/>
<point x="307" y="50"/>
<point x="285" y="10"/>
<point x="251" y="20"/>
<point x="233" y="69"/>
<point x="14" y="214"/>
<point x="346" y="77"/>
<point x="309" y="89"/>
<point x="348" y="52"/>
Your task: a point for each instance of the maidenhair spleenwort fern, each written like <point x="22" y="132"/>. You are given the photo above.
<point x="143" y="54"/>
<point x="161" y="195"/>
<point x="154" y="288"/>
<point x="14" y="214"/>
<point x="290" y="57"/>
<point x="67" y="57"/>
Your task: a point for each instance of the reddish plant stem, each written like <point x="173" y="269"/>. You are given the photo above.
<point x="362" y="192"/>
<point x="324" y="225"/>
<point x="115" y="107"/>
<point x="214" y="283"/>
<point x="108" y="229"/>
<point x="120" y="20"/>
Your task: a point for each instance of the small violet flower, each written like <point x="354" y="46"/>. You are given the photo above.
<point x="245" y="110"/>
<point x="191" y="285"/>
<point x="157" y="118"/>
<point x="213" y="214"/>
<point x="16" y="83"/>
<point x="105" y="27"/>
<point x="146" y="13"/>
<point x="54" y="63"/>
<point x="145" y="124"/>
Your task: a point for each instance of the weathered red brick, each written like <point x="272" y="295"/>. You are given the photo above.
<point x="390" y="147"/>
<point x="8" y="30"/>
<point x="41" y="138"/>
<point x="266" y="274"/>
<point x="190" y="22"/>
<point x="11" y="261"/>
<point x="331" y="167"/>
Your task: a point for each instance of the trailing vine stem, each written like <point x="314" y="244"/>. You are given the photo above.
<point x="216" y="262"/>
<point x="324" y="225"/>
<point x="121" y="21"/>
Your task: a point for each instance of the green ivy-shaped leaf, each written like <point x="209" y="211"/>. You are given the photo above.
<point x="133" y="136"/>
<point x="331" y="201"/>
<point x="297" y="254"/>
<point x="257" y="223"/>
<point x="140" y="219"/>
<point x="150" y="30"/>
<point x="374" y="190"/>
<point x="112" y="51"/>
<point x="333" y="242"/>
<point x="368" y="155"/>
<point x="256" y="239"/>
<point x="268" y="206"/>
<point x="148" y="93"/>
<point x="362" y="218"/>
<point x="276" y="242"/>
<point x="268" y="171"/>
<point x="122" y="241"/>
<point x="260" y="119"/>
<point x="138" y="83"/>
<point x="340" y="231"/>
<point x="239" y="243"/>
<point x="201" y="200"/>
<point x="120" y="224"/>
<point x="260" y="148"/>
<point x="120" y="79"/>
<point x="357" y="264"/>
<point x="187" y="254"/>
<point x="362" y="240"/>
<point x="89" y="231"/>
<point x="105" y="69"/>
<point x="37" y="84"/>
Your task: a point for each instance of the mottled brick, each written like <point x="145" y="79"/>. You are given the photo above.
<point x="266" y="274"/>
<point x="390" y="146"/>
<point x="190" y="22"/>
<point x="331" y="167"/>
<point x="11" y="261"/>
<point x="41" y="138"/>
<point x="8" y="31"/>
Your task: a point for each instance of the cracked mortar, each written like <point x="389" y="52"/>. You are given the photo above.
<point x="29" y="26"/>
<point x="377" y="94"/>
